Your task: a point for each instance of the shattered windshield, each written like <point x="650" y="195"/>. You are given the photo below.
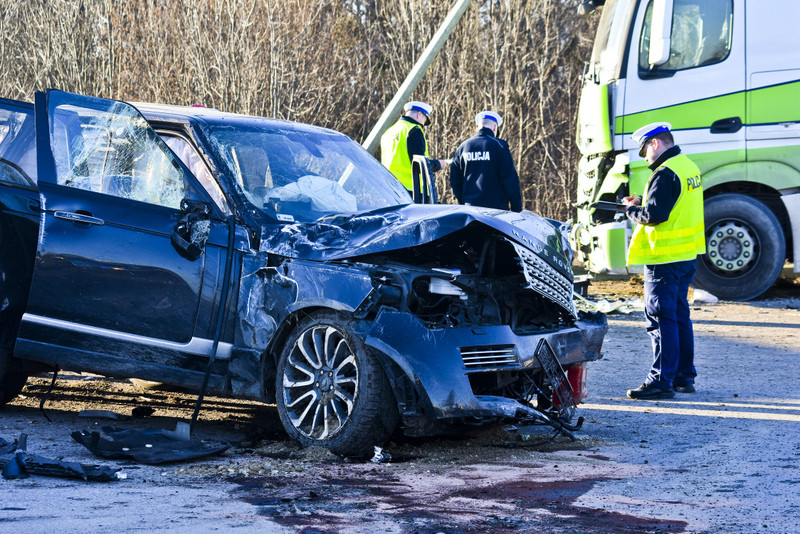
<point x="17" y="146"/>
<point x="297" y="173"/>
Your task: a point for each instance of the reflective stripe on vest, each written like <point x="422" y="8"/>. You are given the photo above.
<point x="682" y="236"/>
<point x="394" y="151"/>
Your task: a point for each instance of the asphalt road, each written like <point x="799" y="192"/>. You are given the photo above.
<point x="724" y="459"/>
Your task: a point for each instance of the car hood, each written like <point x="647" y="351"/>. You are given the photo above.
<point x="342" y="237"/>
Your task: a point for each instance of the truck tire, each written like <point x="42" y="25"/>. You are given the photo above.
<point x="12" y="378"/>
<point x="745" y="248"/>
<point x="331" y="391"/>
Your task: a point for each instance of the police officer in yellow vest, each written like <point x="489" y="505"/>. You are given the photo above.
<point x="668" y="236"/>
<point x="404" y="140"/>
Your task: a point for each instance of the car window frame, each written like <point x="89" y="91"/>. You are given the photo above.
<point x="225" y="209"/>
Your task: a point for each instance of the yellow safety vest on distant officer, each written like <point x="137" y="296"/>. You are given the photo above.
<point x="394" y="151"/>
<point x="682" y="236"/>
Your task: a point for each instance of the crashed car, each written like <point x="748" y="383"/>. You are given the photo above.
<point x="280" y="262"/>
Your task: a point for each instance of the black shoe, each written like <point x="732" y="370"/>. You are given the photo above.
<point x="683" y="385"/>
<point x="650" y="391"/>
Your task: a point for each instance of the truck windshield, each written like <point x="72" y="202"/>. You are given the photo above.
<point x="302" y="173"/>
<point x="609" y="43"/>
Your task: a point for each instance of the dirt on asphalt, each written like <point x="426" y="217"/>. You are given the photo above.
<point x="493" y="479"/>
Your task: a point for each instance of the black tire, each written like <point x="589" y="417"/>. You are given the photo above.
<point x="745" y="248"/>
<point x="331" y="391"/>
<point x="12" y="378"/>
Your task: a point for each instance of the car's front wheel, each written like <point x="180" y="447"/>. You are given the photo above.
<point x="331" y="390"/>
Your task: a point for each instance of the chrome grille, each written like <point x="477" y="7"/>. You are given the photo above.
<point x="544" y="279"/>
<point x="489" y="357"/>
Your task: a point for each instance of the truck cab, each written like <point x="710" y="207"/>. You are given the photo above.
<point x="724" y="74"/>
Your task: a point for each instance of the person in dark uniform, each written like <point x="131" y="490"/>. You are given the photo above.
<point x="668" y="237"/>
<point x="406" y="139"/>
<point x="482" y="172"/>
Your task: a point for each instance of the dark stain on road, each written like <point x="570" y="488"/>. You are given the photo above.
<point x="334" y="503"/>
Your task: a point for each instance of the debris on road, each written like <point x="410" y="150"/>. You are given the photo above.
<point x="624" y="306"/>
<point x="16" y="463"/>
<point x="703" y="296"/>
<point x="150" y="447"/>
<point x="100" y="414"/>
<point x="380" y="457"/>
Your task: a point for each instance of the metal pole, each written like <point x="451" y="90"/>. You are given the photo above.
<point x="416" y="74"/>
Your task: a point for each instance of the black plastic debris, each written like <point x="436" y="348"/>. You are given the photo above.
<point x="150" y="447"/>
<point x="17" y="463"/>
<point x="99" y="414"/>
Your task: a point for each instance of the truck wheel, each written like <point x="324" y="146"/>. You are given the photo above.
<point x="331" y="390"/>
<point x="745" y="248"/>
<point x="12" y="378"/>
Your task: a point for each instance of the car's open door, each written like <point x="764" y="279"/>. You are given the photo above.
<point x="423" y="181"/>
<point x="112" y="292"/>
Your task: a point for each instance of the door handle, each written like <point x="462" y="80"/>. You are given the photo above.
<point x="729" y="125"/>
<point x="77" y="217"/>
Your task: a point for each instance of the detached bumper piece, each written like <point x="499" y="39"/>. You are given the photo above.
<point x="148" y="447"/>
<point x="16" y="463"/>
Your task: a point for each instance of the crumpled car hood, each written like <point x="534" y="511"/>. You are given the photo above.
<point x="341" y="237"/>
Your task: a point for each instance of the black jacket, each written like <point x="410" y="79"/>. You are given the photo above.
<point x="663" y="190"/>
<point x="483" y="173"/>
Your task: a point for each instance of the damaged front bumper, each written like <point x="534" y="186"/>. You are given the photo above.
<point x="457" y="373"/>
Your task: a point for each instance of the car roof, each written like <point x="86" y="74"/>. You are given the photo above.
<point x="168" y="112"/>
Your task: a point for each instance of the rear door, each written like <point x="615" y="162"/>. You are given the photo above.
<point x="109" y="288"/>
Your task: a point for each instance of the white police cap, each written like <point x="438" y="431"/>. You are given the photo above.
<point x="644" y="133"/>
<point x="491" y="115"/>
<point x="416" y="105"/>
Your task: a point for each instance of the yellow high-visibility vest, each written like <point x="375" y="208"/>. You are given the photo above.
<point x="394" y="151"/>
<point x="681" y="237"/>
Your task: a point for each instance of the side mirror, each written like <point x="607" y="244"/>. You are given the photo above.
<point x="424" y="183"/>
<point x="660" y="32"/>
<point x="190" y="235"/>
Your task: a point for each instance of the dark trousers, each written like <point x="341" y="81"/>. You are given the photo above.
<point x="666" y="288"/>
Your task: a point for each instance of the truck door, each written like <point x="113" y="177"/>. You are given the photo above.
<point x="773" y="87"/>
<point x="109" y="286"/>
<point x="699" y="89"/>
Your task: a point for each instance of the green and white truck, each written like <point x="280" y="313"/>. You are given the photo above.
<point x="726" y="75"/>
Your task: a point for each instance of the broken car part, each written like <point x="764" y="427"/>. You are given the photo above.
<point x="151" y="447"/>
<point x="15" y="463"/>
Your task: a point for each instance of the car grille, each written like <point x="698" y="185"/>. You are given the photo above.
<point x="545" y="280"/>
<point x="489" y="357"/>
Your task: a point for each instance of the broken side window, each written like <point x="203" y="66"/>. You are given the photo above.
<point x="17" y="146"/>
<point x="189" y="156"/>
<point x="114" y="151"/>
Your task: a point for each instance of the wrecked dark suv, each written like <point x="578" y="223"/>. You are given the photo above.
<point x="275" y="261"/>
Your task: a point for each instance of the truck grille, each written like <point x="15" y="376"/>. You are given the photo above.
<point x="545" y="280"/>
<point x="489" y="357"/>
